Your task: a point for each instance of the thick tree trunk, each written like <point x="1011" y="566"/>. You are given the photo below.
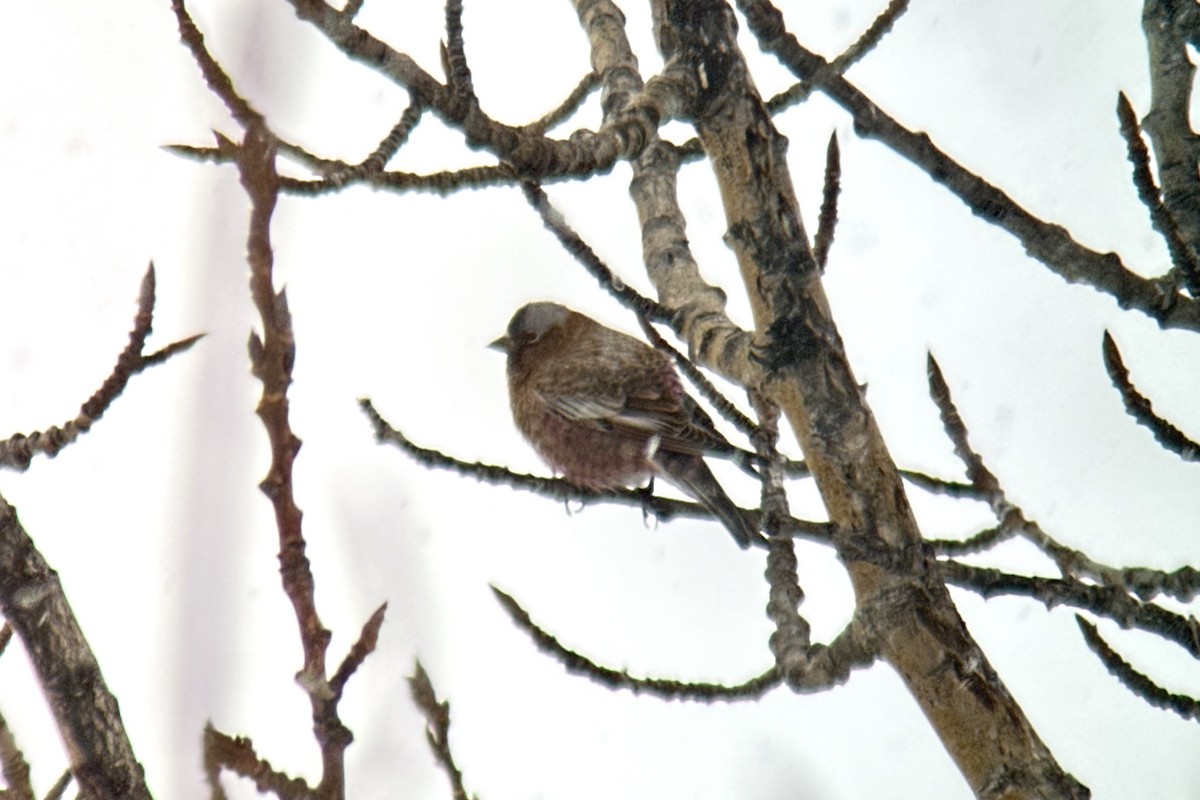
<point x="896" y="580"/>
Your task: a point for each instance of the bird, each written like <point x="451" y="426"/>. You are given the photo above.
<point x="606" y="410"/>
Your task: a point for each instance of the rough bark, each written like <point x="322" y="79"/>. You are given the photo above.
<point x="808" y="376"/>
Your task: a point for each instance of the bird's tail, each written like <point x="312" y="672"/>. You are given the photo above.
<point x="692" y="475"/>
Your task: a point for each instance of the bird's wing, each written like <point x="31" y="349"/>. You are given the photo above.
<point x="679" y="427"/>
<point x="582" y="407"/>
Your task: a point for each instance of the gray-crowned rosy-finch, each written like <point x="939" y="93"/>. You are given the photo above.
<point x="606" y="410"/>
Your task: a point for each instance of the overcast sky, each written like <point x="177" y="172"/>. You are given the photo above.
<point x="167" y="549"/>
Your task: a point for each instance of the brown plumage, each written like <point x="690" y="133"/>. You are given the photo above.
<point x="606" y="410"/>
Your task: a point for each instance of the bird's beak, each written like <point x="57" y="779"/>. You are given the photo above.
<point x="503" y="344"/>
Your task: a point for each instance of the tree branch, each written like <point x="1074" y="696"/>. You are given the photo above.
<point x="85" y="711"/>
<point x="805" y="372"/>
<point x="18" y="450"/>
<point x="1142" y="410"/>
<point x="1136" y="682"/>
<point x="1048" y="243"/>
<point x="620" y="679"/>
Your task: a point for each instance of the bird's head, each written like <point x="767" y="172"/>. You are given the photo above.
<point x="530" y="325"/>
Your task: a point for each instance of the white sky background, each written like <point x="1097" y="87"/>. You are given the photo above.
<point x="167" y="548"/>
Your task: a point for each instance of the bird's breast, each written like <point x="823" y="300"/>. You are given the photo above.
<point x="584" y="453"/>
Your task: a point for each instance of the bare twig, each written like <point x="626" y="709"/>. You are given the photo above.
<point x="60" y="786"/>
<point x="1142" y="410"/>
<point x="940" y="486"/>
<point x="238" y="756"/>
<point x="1183" y="584"/>
<point x="272" y="356"/>
<point x="984" y="540"/>
<point x="369" y="171"/>
<point x="441" y="183"/>
<point x="1136" y="682"/>
<point x="216" y="78"/>
<point x="454" y="55"/>
<point x="568" y="106"/>
<point x="533" y="156"/>
<point x="374" y="163"/>
<point x="1050" y="244"/>
<point x="340" y="174"/>
<point x="791" y="642"/>
<point x="571" y="241"/>
<point x="367" y="639"/>
<point x="1183" y="255"/>
<point x="1111" y="602"/>
<point x="18" y="451"/>
<point x="827" y="220"/>
<point x="437" y="732"/>
<point x="1011" y="518"/>
<point x="980" y="476"/>
<point x="661" y="508"/>
<point x="620" y="679"/>
<point x="1169" y="27"/>
<point x="879" y="27"/>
